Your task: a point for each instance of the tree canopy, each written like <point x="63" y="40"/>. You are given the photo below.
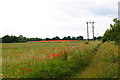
<point x="21" y="38"/>
<point x="113" y="34"/>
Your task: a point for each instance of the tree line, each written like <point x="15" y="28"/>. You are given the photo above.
<point x="113" y="34"/>
<point x="21" y="38"/>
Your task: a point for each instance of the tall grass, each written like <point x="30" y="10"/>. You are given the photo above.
<point x="46" y="59"/>
<point x="104" y="64"/>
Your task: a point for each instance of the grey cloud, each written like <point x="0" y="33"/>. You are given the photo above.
<point x="104" y="11"/>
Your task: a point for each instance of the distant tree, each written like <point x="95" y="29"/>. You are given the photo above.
<point x="6" y="39"/>
<point x="22" y="39"/>
<point x="95" y="38"/>
<point x="34" y="39"/>
<point x="48" y="39"/>
<point x="79" y="38"/>
<point x="68" y="38"/>
<point x="12" y="39"/>
<point x="56" y="38"/>
<point x="73" y="38"/>
<point x="0" y="40"/>
<point x="64" y="38"/>
<point x="99" y="38"/>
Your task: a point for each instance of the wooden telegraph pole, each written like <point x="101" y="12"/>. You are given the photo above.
<point x="87" y="32"/>
<point x="93" y="29"/>
<point x="88" y="29"/>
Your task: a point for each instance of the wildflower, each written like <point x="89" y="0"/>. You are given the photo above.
<point x="29" y="70"/>
<point x="16" y="65"/>
<point x="48" y="56"/>
<point x="13" y="68"/>
<point x="37" y="58"/>
<point x="25" y="62"/>
<point x="54" y="54"/>
<point x="25" y="68"/>
<point x="53" y="58"/>
<point x="58" y="55"/>
<point x="19" y="53"/>
<point x="30" y="64"/>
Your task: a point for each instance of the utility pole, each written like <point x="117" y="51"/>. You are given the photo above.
<point x="87" y="32"/>
<point x="88" y="29"/>
<point x="93" y="29"/>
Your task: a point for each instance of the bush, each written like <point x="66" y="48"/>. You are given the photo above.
<point x="87" y="42"/>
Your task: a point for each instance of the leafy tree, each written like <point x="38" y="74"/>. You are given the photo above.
<point x="22" y="39"/>
<point x="6" y="39"/>
<point x="113" y="34"/>
<point x="12" y="39"/>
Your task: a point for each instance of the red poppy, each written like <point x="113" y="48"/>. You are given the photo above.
<point x="37" y="58"/>
<point x="16" y="65"/>
<point x="13" y="68"/>
<point x="19" y="53"/>
<point x="24" y="62"/>
<point x="53" y="58"/>
<point x="54" y="54"/>
<point x="29" y="70"/>
<point x="30" y="64"/>
<point x="58" y="55"/>
<point x="25" y="68"/>
<point x="48" y="56"/>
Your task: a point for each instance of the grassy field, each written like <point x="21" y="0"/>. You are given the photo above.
<point x="46" y="59"/>
<point x="75" y="59"/>
<point x="104" y="64"/>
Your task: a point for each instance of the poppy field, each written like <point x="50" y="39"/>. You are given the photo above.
<point x="62" y="59"/>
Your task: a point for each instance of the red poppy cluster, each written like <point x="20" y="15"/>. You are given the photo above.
<point x="27" y="69"/>
<point x="54" y="40"/>
<point x="52" y="56"/>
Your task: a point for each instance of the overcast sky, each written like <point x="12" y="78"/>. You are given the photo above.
<point x="50" y="18"/>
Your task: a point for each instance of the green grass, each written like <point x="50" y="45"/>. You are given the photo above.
<point x="104" y="64"/>
<point x="46" y="59"/>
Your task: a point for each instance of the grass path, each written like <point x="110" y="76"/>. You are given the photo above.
<point x="104" y="64"/>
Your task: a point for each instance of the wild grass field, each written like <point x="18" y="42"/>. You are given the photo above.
<point x="66" y="59"/>
<point x="104" y="64"/>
